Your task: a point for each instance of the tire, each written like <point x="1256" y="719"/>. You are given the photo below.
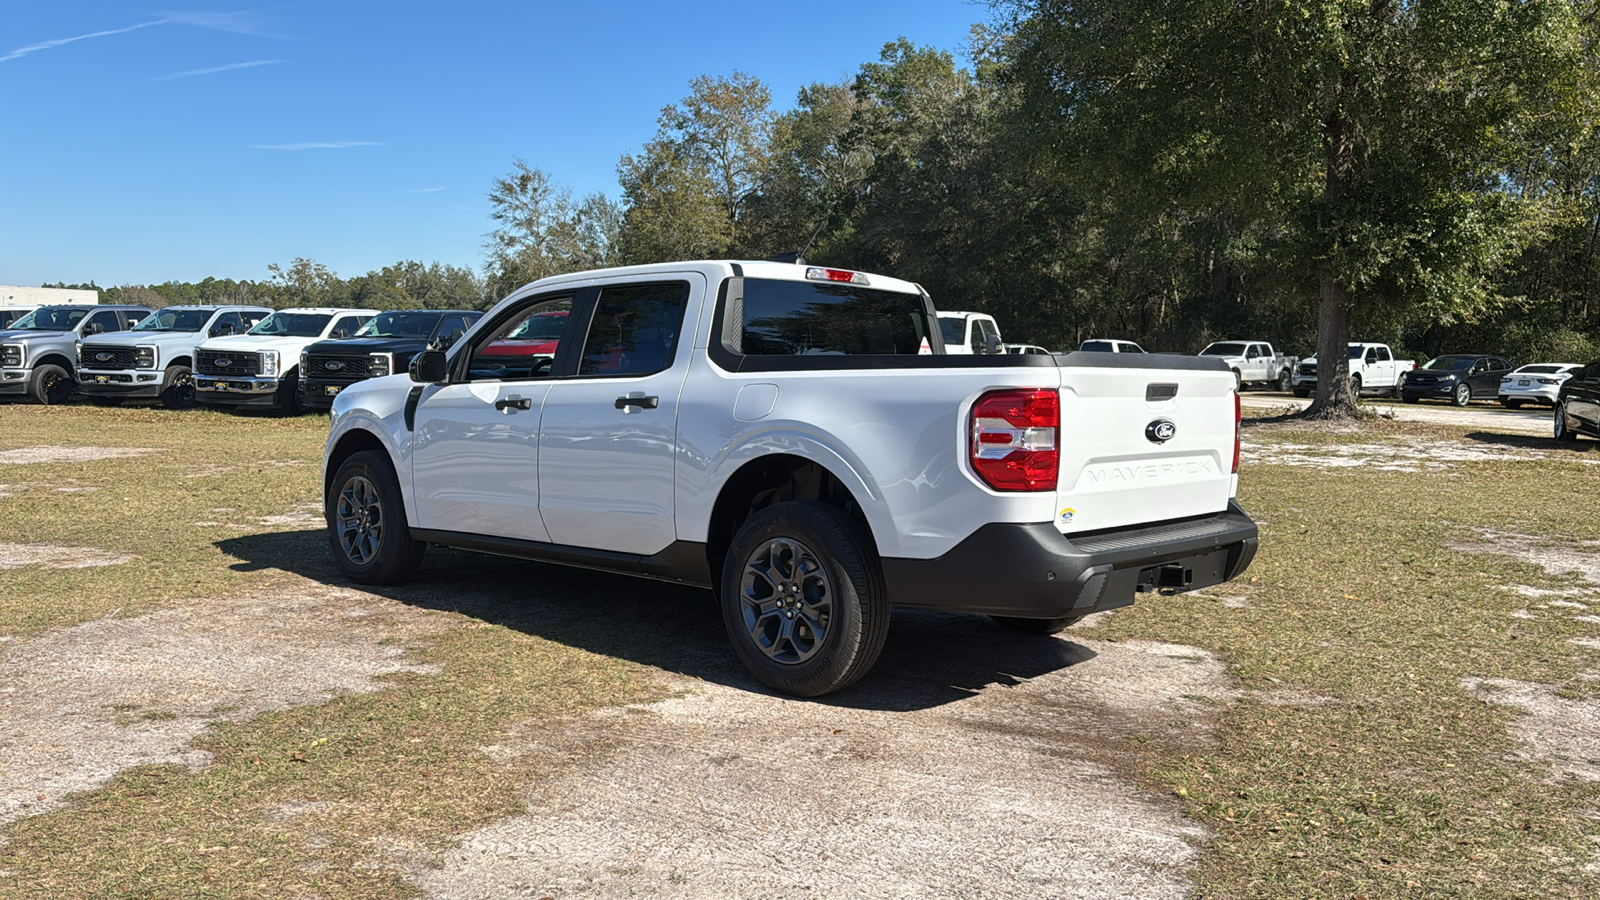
<point x="1285" y="381"/>
<point x="366" y="517"/>
<point x="1562" y="432"/>
<point x="1238" y="381"/>
<point x="177" y="388"/>
<point x="291" y="400"/>
<point x="1302" y="393"/>
<point x="1355" y="386"/>
<point x="50" y="385"/>
<point x="1410" y="399"/>
<point x="1462" y="395"/>
<point x="1397" y="393"/>
<point x="105" y="401"/>
<point x="1035" y="626"/>
<point x="1509" y="403"/>
<point x="803" y="599"/>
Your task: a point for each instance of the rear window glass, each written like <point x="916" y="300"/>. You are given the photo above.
<point x="1098" y="346"/>
<point x="802" y="318"/>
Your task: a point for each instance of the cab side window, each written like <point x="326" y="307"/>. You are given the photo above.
<point x="227" y="323"/>
<point x="523" y="346"/>
<point x="347" y="326"/>
<point x="634" y="330"/>
<point x="1383" y="354"/>
<point x="252" y="318"/>
<point x="102" y="322"/>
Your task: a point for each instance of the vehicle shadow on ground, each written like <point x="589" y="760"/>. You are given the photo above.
<point x="931" y="658"/>
<point x="1528" y="441"/>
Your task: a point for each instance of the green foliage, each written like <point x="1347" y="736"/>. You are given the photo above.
<point x="542" y="232"/>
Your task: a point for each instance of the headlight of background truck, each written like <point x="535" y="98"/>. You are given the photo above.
<point x="378" y="365"/>
<point x="269" y="363"/>
<point x="144" y="357"/>
<point x="12" y="355"/>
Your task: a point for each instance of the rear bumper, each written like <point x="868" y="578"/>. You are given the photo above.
<point x="1033" y="571"/>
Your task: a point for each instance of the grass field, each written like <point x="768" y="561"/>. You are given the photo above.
<point x="1367" y="753"/>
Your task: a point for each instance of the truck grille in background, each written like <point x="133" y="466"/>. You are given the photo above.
<point x="227" y="362"/>
<point x="1308" y="370"/>
<point x="118" y="357"/>
<point x="347" y="369"/>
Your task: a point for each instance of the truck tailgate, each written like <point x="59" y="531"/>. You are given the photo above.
<point x="1144" y="438"/>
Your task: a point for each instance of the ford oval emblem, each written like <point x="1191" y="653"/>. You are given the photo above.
<point x="102" y="356"/>
<point x="1160" y="431"/>
<point x="223" y="362"/>
<point x="333" y="366"/>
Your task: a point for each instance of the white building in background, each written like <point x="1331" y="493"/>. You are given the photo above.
<point x="30" y="297"/>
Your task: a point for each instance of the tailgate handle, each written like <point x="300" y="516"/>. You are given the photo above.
<point x="1154" y="392"/>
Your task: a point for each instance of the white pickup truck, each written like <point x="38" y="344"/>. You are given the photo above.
<point x="1373" y="369"/>
<point x="261" y="368"/>
<point x="770" y="431"/>
<point x="1254" y="362"/>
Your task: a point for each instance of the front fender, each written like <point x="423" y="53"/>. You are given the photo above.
<point x="375" y="409"/>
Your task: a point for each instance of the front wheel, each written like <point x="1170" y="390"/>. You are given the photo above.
<point x="291" y="400"/>
<point x="1036" y="626"/>
<point x="177" y="388"/>
<point x="366" y="517"/>
<point x="1462" y="396"/>
<point x="1562" y="432"/>
<point x="1355" y="386"/>
<point x="803" y="599"/>
<point x="50" y="385"/>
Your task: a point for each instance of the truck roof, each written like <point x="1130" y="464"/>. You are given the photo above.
<point x="718" y="269"/>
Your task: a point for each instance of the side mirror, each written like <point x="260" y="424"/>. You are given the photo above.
<point x="429" y="367"/>
<point x="991" y="343"/>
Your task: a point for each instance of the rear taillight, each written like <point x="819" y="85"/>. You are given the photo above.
<point x="1237" y="417"/>
<point x="1013" y="439"/>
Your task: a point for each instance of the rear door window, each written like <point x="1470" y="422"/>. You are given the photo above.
<point x="634" y="330"/>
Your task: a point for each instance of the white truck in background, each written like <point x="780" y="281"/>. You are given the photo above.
<point x="1254" y="362"/>
<point x="1373" y="369"/>
<point x="969" y="333"/>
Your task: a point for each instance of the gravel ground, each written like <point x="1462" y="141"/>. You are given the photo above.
<point x="80" y="704"/>
<point x="1494" y="418"/>
<point x="728" y="792"/>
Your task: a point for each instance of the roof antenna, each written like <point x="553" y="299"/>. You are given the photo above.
<point x="798" y="256"/>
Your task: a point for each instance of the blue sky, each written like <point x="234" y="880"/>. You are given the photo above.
<point x="147" y="144"/>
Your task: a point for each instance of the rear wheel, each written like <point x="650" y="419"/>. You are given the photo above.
<point x="1036" y="626"/>
<point x="1355" y="386"/>
<point x="366" y="517"/>
<point x="177" y="389"/>
<point x="50" y="385"/>
<point x="1284" y="381"/>
<point x="1462" y="396"/>
<point x="1562" y="432"/>
<point x="1238" y="380"/>
<point x="803" y="599"/>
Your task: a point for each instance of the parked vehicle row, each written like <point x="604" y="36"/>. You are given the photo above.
<point x="1254" y="362"/>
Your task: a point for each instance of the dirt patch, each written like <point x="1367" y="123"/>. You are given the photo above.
<point x="726" y="792"/>
<point x="1580" y="561"/>
<point x="1586" y="643"/>
<point x="1400" y="455"/>
<point x="301" y="514"/>
<point x="1557" y="731"/>
<point x="33" y="455"/>
<point x="57" y="556"/>
<point x="80" y="704"/>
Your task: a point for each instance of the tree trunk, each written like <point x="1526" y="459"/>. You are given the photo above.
<point x="1334" y="397"/>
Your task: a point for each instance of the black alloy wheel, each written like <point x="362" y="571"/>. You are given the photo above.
<point x="51" y="385"/>
<point x="803" y="599"/>
<point x="1562" y="432"/>
<point x="366" y="519"/>
<point x="177" y="388"/>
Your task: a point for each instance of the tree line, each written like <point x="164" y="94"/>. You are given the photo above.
<point x="1167" y="171"/>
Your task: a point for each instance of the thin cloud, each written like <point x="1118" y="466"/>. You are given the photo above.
<point x="215" y="69"/>
<point x="433" y="190"/>
<point x="317" y="145"/>
<point x="235" y="22"/>
<point x="46" y="45"/>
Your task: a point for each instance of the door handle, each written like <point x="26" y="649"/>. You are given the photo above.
<point x="640" y="401"/>
<point x="513" y="403"/>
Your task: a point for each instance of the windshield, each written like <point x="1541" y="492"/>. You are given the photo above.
<point x="399" y="325"/>
<point x="1223" y="350"/>
<point x="292" y="324"/>
<point x="174" y="320"/>
<point x="1098" y="346"/>
<point x="52" y="318"/>
<point x="1449" y="363"/>
<point x="539" y="327"/>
